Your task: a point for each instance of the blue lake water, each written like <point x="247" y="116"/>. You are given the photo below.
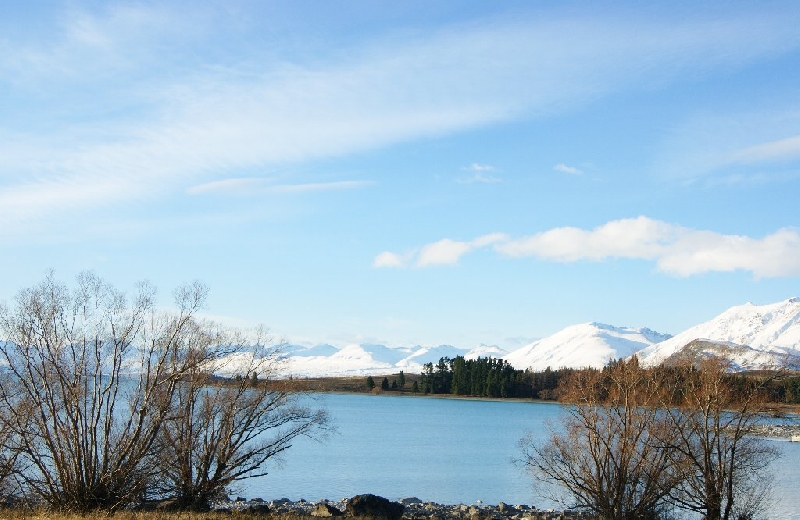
<point x="443" y="450"/>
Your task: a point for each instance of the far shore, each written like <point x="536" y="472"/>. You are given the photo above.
<point x="357" y="385"/>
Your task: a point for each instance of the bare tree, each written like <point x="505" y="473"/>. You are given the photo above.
<point x="608" y="457"/>
<point x="9" y="455"/>
<point x="710" y="420"/>
<point x="225" y="430"/>
<point x="90" y="378"/>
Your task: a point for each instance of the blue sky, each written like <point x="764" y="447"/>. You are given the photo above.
<point x="408" y="172"/>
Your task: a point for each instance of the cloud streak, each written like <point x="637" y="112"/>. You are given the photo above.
<point x="257" y="186"/>
<point x="216" y="119"/>
<point x="758" y="146"/>
<point x="676" y="250"/>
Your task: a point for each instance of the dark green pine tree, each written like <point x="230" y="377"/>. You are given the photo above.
<point x="370" y="383"/>
<point x="401" y="379"/>
<point x="385" y="384"/>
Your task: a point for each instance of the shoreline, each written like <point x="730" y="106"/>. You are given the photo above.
<point x="411" y="509"/>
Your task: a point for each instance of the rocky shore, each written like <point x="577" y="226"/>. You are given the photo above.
<point x="778" y="431"/>
<point x="371" y="506"/>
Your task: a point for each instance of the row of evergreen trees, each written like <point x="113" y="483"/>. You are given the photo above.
<point x="397" y="384"/>
<point x="488" y="377"/>
<point x="492" y="377"/>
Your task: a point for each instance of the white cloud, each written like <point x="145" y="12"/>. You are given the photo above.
<point x="476" y="167"/>
<point x="563" y="168"/>
<point x="676" y="250"/>
<point x="694" y="252"/>
<point x="387" y="259"/>
<point x="449" y="252"/>
<point x="442" y="252"/>
<point x="487" y="240"/>
<point x="628" y="238"/>
<point x="482" y="178"/>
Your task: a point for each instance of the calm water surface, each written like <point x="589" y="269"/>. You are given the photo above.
<point x="443" y="450"/>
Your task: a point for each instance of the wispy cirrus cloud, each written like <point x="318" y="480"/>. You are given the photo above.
<point x="151" y="135"/>
<point x="477" y="167"/>
<point x="784" y="149"/>
<point x="676" y="250"/>
<point x="481" y="173"/>
<point x="758" y="146"/>
<point x="563" y="168"/>
<point x="257" y="185"/>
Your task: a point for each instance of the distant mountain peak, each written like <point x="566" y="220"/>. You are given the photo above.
<point x="750" y="336"/>
<point x="765" y="336"/>
<point x="590" y="344"/>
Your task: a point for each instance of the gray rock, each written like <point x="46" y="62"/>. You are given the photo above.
<point x="375" y="507"/>
<point x="324" y="509"/>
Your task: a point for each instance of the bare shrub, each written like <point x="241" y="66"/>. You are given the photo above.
<point x="710" y="416"/>
<point x="608" y="455"/>
<point x="224" y="431"/>
<point x="89" y="379"/>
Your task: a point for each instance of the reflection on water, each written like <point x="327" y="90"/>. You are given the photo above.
<point x="442" y="450"/>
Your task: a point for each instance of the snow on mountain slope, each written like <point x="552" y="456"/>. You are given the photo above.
<point x="422" y="355"/>
<point x="741" y="357"/>
<point x="584" y="345"/>
<point x="365" y="359"/>
<point x="486" y="351"/>
<point x="773" y="329"/>
<point x="301" y="351"/>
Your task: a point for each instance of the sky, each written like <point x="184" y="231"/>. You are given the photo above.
<point x="407" y="173"/>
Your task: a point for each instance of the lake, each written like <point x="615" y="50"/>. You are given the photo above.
<point x="442" y="450"/>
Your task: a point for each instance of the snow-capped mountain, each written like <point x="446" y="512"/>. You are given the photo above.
<point x="741" y="357"/>
<point x="485" y="351"/>
<point x="363" y="359"/>
<point x="751" y="336"/>
<point x="584" y="345"/>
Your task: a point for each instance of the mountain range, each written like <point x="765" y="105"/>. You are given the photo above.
<point x="750" y="336"/>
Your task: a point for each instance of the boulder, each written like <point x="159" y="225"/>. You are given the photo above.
<point x="258" y="507"/>
<point x="375" y="507"/>
<point x="325" y="510"/>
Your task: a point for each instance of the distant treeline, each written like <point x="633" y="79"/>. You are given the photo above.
<point x="488" y="377"/>
<point x="491" y="377"/>
<point x="785" y="389"/>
